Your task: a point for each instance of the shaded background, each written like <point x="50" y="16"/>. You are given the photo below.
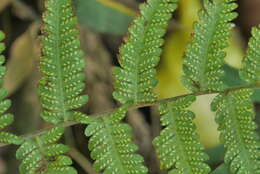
<point x="103" y="25"/>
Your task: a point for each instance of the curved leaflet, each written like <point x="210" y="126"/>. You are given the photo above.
<point x="41" y="155"/>
<point x="62" y="63"/>
<point x="205" y="54"/>
<point x="235" y="115"/>
<point x="135" y="79"/>
<point x="251" y="70"/>
<point x="111" y="145"/>
<point x="178" y="145"/>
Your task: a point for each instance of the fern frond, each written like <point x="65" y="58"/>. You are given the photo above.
<point x="111" y="145"/>
<point x="5" y="119"/>
<point x="135" y="80"/>
<point x="178" y="145"/>
<point x="205" y="54"/>
<point x="235" y="115"/>
<point x="62" y="63"/>
<point x="251" y="69"/>
<point x="41" y="155"/>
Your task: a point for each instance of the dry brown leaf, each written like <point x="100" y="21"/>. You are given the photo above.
<point x="4" y="3"/>
<point x="23" y="11"/>
<point x="23" y="53"/>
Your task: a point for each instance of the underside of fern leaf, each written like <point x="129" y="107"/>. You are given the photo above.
<point x="251" y="69"/>
<point x="135" y="80"/>
<point x="178" y="145"/>
<point x="111" y="145"/>
<point x="62" y="63"/>
<point x="205" y="54"/>
<point x="41" y="155"/>
<point x="5" y="119"/>
<point x="235" y="115"/>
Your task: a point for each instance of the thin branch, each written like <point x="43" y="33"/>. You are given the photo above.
<point x="71" y="123"/>
<point x="82" y="161"/>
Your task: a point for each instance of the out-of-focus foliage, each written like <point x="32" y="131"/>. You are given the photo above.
<point x="5" y="119"/>
<point x="4" y="3"/>
<point x="107" y="16"/>
<point x="23" y="54"/>
<point x="222" y="169"/>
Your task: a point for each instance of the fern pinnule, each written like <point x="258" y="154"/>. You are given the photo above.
<point x="235" y="115"/>
<point x="178" y="145"/>
<point x="205" y="55"/>
<point x="62" y="63"/>
<point x="41" y="155"/>
<point x="111" y="145"/>
<point x="251" y="69"/>
<point x="5" y="119"/>
<point x="135" y="79"/>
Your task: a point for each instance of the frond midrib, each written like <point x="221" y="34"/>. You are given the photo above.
<point x="179" y="143"/>
<point x="211" y="31"/>
<point x="235" y="123"/>
<point x="38" y="142"/>
<point x="113" y="147"/>
<point x="59" y="64"/>
<point x="144" y="36"/>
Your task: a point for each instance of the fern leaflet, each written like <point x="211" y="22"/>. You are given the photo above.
<point x="111" y="145"/>
<point x="251" y="70"/>
<point x="235" y="116"/>
<point x="178" y="145"/>
<point x="135" y="79"/>
<point x="5" y="119"/>
<point x="41" y="155"/>
<point x="205" y="54"/>
<point x="61" y="63"/>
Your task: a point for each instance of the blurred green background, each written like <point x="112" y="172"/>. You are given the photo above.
<point x="103" y="25"/>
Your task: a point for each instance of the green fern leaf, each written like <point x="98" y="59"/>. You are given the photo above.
<point x="135" y="79"/>
<point x="235" y="115"/>
<point x="41" y="155"/>
<point x="251" y="69"/>
<point x="178" y="145"/>
<point x="111" y="146"/>
<point x="205" y="54"/>
<point x="5" y="119"/>
<point x="62" y="63"/>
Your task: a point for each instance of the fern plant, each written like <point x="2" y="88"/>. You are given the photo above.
<point x="141" y="53"/>
<point x="42" y="155"/>
<point x="5" y="119"/>
<point x="110" y="137"/>
<point x="60" y="87"/>
<point x="178" y="145"/>
<point x="111" y="145"/>
<point x="205" y="54"/>
<point x="62" y="63"/>
<point x="250" y="71"/>
<point x="235" y="116"/>
<point x="234" y="108"/>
